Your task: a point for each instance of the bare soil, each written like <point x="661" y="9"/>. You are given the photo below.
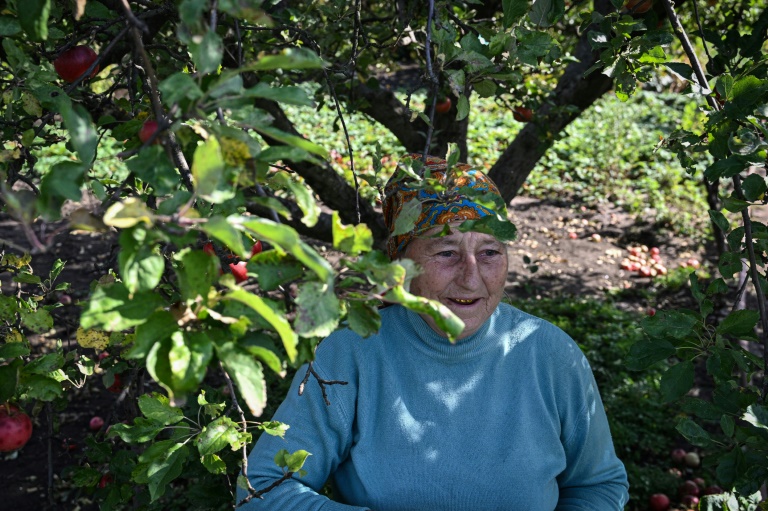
<point x="585" y="264"/>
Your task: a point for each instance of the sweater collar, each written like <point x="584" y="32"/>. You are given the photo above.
<point x="434" y="344"/>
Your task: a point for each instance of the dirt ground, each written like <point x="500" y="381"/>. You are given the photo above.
<point x="585" y="263"/>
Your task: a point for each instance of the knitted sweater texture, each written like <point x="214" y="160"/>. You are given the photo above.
<point x="508" y="419"/>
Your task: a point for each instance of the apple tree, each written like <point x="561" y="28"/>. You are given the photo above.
<point x="173" y="118"/>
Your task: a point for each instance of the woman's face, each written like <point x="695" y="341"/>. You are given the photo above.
<point x="465" y="271"/>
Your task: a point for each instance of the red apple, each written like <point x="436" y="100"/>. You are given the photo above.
<point x="71" y="64"/>
<point x="573" y="235"/>
<point x="651" y="311"/>
<point x="690" y="501"/>
<point x="105" y="480"/>
<point x="96" y="423"/>
<point x="712" y="490"/>
<point x="658" y="502"/>
<point x="239" y="271"/>
<point x="117" y="385"/>
<point x="645" y="271"/>
<point x="522" y="114"/>
<point x="678" y="455"/>
<point x="689" y="488"/>
<point x="655" y="251"/>
<point x="701" y="483"/>
<point x="147" y="130"/>
<point x="256" y="248"/>
<point x="209" y="249"/>
<point x="15" y="428"/>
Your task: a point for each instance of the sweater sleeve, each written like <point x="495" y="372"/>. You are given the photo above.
<point x="594" y="478"/>
<point x="325" y="431"/>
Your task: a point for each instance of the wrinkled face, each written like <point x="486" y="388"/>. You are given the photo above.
<point x="465" y="271"/>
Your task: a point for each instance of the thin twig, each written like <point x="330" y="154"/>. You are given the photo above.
<point x="320" y="381"/>
<point x="259" y="494"/>
<point x="434" y="82"/>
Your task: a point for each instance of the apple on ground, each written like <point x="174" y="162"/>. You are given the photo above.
<point x="573" y="235"/>
<point x="692" y="459"/>
<point x="15" y="428"/>
<point x="651" y="311"/>
<point x="71" y="64"/>
<point x="658" y="502"/>
<point x="712" y="490"/>
<point x="700" y="482"/>
<point x="689" y="488"/>
<point x="655" y="251"/>
<point x="678" y="455"/>
<point x="117" y="385"/>
<point x="690" y="501"/>
<point x="96" y="423"/>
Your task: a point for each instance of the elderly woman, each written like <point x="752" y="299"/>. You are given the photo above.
<point x="506" y="418"/>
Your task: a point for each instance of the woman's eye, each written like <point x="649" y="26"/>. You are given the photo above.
<point x="490" y="252"/>
<point x="445" y="253"/>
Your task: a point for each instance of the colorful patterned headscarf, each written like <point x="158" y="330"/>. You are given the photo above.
<point x="437" y="208"/>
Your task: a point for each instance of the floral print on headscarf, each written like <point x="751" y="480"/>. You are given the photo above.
<point x="437" y="208"/>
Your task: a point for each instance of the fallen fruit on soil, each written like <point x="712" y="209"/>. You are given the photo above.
<point x="105" y="480"/>
<point x="117" y="386"/>
<point x="692" y="459"/>
<point x="689" y="488"/>
<point x="15" y="428"/>
<point x="658" y="502"/>
<point x="96" y="423"/>
<point x="678" y="455"/>
<point x="71" y="64"/>
<point x="712" y="490"/>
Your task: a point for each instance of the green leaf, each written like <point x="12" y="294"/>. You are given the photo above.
<point x="217" y="435"/>
<point x="208" y="173"/>
<point x="757" y="416"/>
<point x="33" y="18"/>
<point x="546" y="13"/>
<point x="142" y="430"/>
<point x="364" y="319"/>
<point x="502" y="230"/>
<point x="214" y="464"/>
<point x="740" y="324"/>
<point x="179" y="363"/>
<point x="292" y="462"/>
<point x="677" y="381"/>
<point x="159" y="325"/>
<point x="407" y="218"/>
<point x="514" y="10"/>
<point x="670" y="325"/>
<point x="9" y="26"/>
<point x="462" y="110"/>
<point x="160" y="464"/>
<point x="207" y="52"/>
<point x="13" y="349"/>
<point x="140" y="267"/>
<point x="113" y="308"/>
<point x="37" y="386"/>
<point x="179" y="86"/>
<point x="301" y="194"/>
<point x="728" y="425"/>
<point x="39" y="321"/>
<point x="197" y="271"/>
<point x="725" y="168"/>
<point x="218" y="227"/>
<point x="293" y="140"/>
<point x="82" y="134"/>
<point x="290" y="58"/>
<point x="9" y="379"/>
<point x="157" y="408"/>
<point x="734" y="205"/>
<point x="247" y="374"/>
<point x="288" y="239"/>
<point x="153" y="167"/>
<point x="718" y="218"/>
<point x="643" y="354"/>
<point x="287" y="94"/>
<point x="694" y="433"/>
<point x="445" y="320"/>
<point x="63" y="181"/>
<point x="273" y="317"/>
<point x="318" y="310"/>
<point x="352" y="240"/>
<point x="45" y="364"/>
<point x="754" y="187"/>
<point x="127" y="213"/>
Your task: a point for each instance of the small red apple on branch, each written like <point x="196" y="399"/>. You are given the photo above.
<point x="522" y="114"/>
<point x="96" y="423"/>
<point x="71" y="64"/>
<point x="147" y="131"/>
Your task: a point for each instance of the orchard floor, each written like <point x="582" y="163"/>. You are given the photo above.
<point x="586" y="263"/>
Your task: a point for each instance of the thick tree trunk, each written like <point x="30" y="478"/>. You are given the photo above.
<point x="573" y="90"/>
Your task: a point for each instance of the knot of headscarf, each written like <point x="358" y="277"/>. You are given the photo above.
<point x="450" y="204"/>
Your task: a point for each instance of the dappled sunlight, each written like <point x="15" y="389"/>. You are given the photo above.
<point x="451" y="395"/>
<point x="413" y="430"/>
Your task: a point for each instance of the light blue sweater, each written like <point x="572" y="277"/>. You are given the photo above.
<point x="506" y="419"/>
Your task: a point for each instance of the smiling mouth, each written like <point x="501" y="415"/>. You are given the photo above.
<point x="461" y="301"/>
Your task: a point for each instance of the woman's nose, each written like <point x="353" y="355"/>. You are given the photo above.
<point x="469" y="271"/>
